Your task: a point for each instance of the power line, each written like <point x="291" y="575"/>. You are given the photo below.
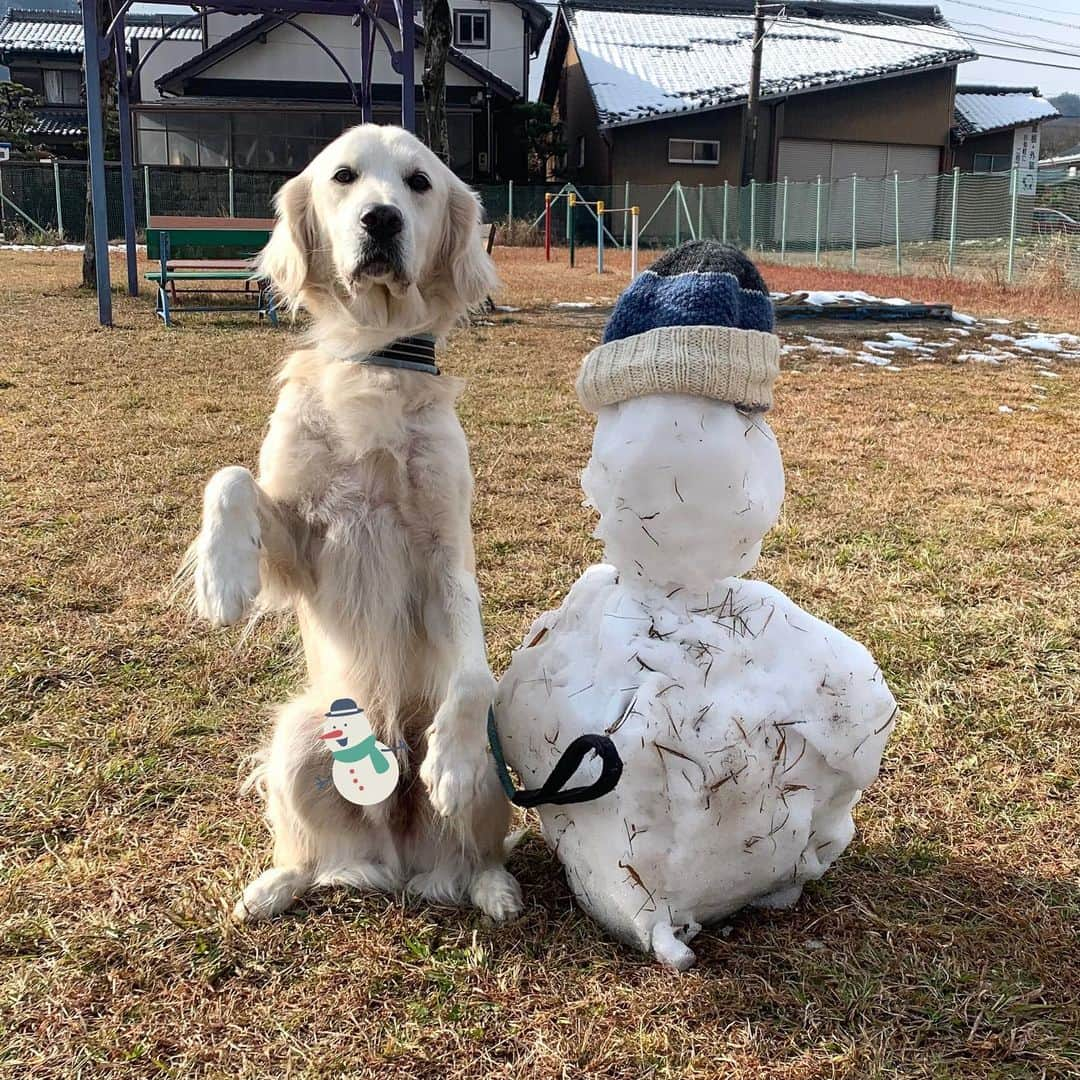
<point x="930" y="47"/>
<point x="1016" y="15"/>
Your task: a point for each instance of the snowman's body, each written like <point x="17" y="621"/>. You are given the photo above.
<point x="747" y="727"/>
<point x="359" y="781"/>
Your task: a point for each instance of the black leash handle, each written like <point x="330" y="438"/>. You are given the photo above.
<point x="551" y="791"/>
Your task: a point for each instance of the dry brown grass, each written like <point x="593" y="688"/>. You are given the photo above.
<point x="918" y="518"/>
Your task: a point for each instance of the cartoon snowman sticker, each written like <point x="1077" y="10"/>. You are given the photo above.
<point x="365" y="771"/>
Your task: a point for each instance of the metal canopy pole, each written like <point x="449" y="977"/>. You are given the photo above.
<point x="365" y="67"/>
<point x="127" y="182"/>
<point x="407" y="63"/>
<point x="95" y="126"/>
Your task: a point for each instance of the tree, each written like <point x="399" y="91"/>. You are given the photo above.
<point x="1067" y="104"/>
<point x="542" y="137"/>
<point x="17" y="117"/>
<point x="437" y="35"/>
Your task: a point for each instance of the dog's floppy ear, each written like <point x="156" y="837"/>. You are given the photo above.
<point x="286" y="259"/>
<point x="464" y="263"/>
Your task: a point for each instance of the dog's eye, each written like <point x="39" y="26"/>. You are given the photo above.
<point x="344" y="175"/>
<point x="418" y="181"/>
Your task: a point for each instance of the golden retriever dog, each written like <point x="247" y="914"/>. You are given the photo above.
<point x="359" y="521"/>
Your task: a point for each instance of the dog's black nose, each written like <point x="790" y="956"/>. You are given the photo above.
<point x="382" y="222"/>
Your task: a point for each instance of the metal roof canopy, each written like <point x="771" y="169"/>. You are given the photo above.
<point x="365" y="13"/>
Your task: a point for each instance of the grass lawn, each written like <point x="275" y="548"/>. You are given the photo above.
<point x="920" y="519"/>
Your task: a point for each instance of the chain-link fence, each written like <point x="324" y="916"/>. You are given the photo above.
<point x="1001" y="225"/>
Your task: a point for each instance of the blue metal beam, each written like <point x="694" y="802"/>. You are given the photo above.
<point x="127" y="183"/>
<point x="95" y="125"/>
<point x="407" y="29"/>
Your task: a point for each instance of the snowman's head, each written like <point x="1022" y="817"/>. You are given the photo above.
<point x="685" y="471"/>
<point x="345" y="724"/>
<point x="686" y="488"/>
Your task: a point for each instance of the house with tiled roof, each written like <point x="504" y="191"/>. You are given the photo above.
<point x="997" y="127"/>
<point x="42" y="49"/>
<point x="655" y="91"/>
<point x="262" y="93"/>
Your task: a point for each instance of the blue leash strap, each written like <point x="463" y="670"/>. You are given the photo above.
<point x="551" y="791"/>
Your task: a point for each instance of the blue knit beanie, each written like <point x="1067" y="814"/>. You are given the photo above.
<point x="698" y="321"/>
<point x="701" y="283"/>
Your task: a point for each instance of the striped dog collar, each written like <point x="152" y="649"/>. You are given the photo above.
<point x="410" y="354"/>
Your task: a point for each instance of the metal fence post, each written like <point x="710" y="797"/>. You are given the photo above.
<point x="59" y="201"/>
<point x="232" y="194"/>
<point x="700" y="210"/>
<point x="896" y="200"/>
<point x="633" y="242"/>
<point x="678" y="213"/>
<point x="952" y="216"/>
<point x="547" y="226"/>
<point x="753" y="210"/>
<point x="854" y="227"/>
<point x="783" y="223"/>
<point x="1013" y="193"/>
<point x="626" y="210"/>
<point x="146" y="191"/>
<point x="509" y="200"/>
<point x="817" y="225"/>
<point x="599" y="236"/>
<point x="570" y="200"/>
<point x="723" y="236"/>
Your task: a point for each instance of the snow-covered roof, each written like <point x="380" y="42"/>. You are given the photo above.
<point x="980" y="109"/>
<point x="60" y="32"/>
<point x="648" y="58"/>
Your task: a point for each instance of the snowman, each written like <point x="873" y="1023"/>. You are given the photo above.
<point x="748" y="728"/>
<point x="365" y="771"/>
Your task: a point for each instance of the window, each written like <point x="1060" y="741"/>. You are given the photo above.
<point x="581" y="152"/>
<point x="471" y="29"/>
<point x="693" y="152"/>
<point x="992" y="163"/>
<point x="63" y="86"/>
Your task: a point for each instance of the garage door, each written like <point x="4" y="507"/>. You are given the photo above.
<point x="802" y="161"/>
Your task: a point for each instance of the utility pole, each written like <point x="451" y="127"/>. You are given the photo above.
<point x="750" y="123"/>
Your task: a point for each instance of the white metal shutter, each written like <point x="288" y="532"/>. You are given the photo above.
<point x="804" y="159"/>
<point x="914" y="161"/>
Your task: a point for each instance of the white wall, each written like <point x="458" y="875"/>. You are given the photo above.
<point x="290" y="56"/>
<point x="166" y="56"/>
<point x="506" y="39"/>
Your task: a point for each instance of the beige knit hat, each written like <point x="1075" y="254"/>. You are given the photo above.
<point x="721" y="362"/>
<point x="698" y="321"/>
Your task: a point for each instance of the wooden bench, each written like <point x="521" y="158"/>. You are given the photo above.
<point x="203" y="251"/>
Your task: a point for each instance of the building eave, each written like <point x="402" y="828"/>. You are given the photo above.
<point x="740" y="100"/>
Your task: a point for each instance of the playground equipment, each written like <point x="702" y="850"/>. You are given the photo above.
<point x="598" y="210"/>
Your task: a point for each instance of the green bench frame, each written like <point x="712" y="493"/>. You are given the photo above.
<point x="196" y="242"/>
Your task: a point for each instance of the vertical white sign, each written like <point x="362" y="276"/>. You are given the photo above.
<point x="1026" y="157"/>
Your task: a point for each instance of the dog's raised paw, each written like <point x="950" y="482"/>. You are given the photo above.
<point x="454" y="777"/>
<point x="226" y="578"/>
<point x="497" y="894"/>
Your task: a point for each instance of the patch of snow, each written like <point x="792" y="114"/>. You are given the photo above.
<point x="1040" y="342"/>
<point x="1004" y="409"/>
<point x="967" y="320"/>
<point x="1043" y="373"/>
<point x="979" y="358"/>
<point x="574" y="304"/>
<point x="873" y="358"/>
<point x="505" y="307"/>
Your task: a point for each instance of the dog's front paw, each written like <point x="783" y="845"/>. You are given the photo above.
<point x="454" y="775"/>
<point x="226" y="578"/>
<point x="456" y="768"/>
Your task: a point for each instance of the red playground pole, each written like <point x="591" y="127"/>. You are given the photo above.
<point x="547" y="225"/>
